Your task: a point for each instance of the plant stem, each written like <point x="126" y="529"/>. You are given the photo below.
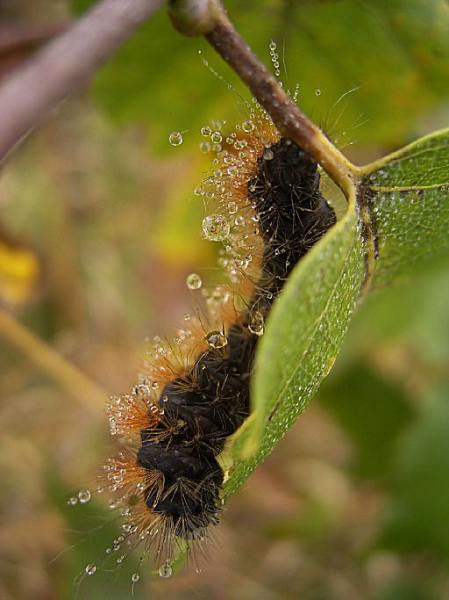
<point x="83" y="389"/>
<point x="64" y="64"/>
<point x="19" y="39"/>
<point x="286" y="115"/>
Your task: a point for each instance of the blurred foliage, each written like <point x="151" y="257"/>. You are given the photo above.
<point x="352" y="504"/>
<point x="19" y="272"/>
<point x="396" y="52"/>
<point x="418" y="512"/>
<point x="361" y="392"/>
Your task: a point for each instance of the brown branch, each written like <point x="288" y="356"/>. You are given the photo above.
<point x="23" y="38"/>
<point x="286" y="115"/>
<point x="78" y="385"/>
<point x="64" y="64"/>
<point x="18" y="42"/>
<point x="194" y="17"/>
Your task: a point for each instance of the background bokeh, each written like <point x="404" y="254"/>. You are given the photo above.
<point x="99" y="226"/>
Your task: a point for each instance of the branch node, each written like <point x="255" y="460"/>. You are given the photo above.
<point x="194" y="17"/>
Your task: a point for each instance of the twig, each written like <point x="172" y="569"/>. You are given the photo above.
<point x="86" y="391"/>
<point x="64" y="64"/>
<point x="22" y="38"/>
<point x="286" y="115"/>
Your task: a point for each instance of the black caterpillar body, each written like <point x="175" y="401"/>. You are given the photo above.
<point x="212" y="400"/>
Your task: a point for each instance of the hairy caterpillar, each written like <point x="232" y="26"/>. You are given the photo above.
<point x="195" y="391"/>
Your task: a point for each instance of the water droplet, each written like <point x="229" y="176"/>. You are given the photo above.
<point x="135" y="577"/>
<point x="175" y="138"/>
<point x="72" y="501"/>
<point x="232" y="207"/>
<point x="268" y="154"/>
<point x="141" y="390"/>
<point x="248" y="126"/>
<point x="84" y="496"/>
<point x="206" y="131"/>
<point x="205" y="147"/>
<point x="296" y="93"/>
<point x="165" y="570"/>
<point x="194" y="281"/>
<point x="317" y="92"/>
<point x="256" y="323"/>
<point x="216" y="227"/>
<point x="90" y="569"/>
<point x="216" y="137"/>
<point x="216" y="339"/>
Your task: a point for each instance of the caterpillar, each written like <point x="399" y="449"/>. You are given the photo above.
<point x="195" y="391"/>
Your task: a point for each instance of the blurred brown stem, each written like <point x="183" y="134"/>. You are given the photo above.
<point x="83" y="389"/>
<point x="18" y="39"/>
<point x="65" y="64"/>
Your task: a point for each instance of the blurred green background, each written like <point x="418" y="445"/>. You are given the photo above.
<point x="99" y="226"/>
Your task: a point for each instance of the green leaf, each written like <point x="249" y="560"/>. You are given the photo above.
<point x="409" y="192"/>
<point x="409" y="209"/>
<point x="302" y="340"/>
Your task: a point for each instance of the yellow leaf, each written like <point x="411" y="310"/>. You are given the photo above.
<point x="20" y="271"/>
